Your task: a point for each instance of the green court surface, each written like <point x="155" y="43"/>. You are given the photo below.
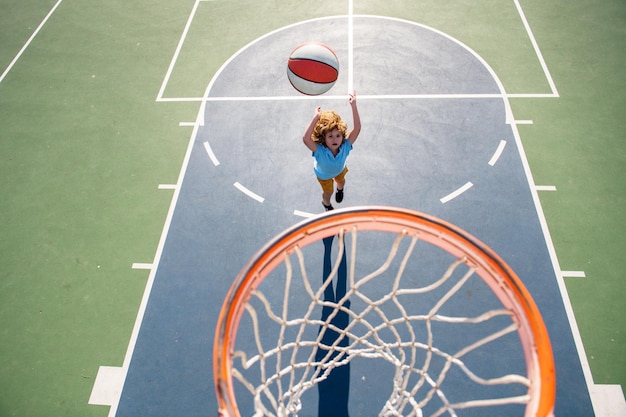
<point x="95" y="104"/>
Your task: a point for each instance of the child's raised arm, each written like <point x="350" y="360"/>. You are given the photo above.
<point x="309" y="131"/>
<point x="356" y="119"/>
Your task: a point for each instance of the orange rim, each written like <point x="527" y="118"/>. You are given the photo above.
<point x="490" y="267"/>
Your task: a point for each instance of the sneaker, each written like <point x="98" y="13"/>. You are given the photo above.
<point x="339" y="196"/>
<point x="328" y="207"/>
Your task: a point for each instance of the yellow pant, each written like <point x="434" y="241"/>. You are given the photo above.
<point x="328" y="186"/>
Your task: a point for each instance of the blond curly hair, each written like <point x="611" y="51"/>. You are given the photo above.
<point x="328" y="121"/>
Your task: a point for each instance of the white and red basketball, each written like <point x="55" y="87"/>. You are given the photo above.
<point x="313" y="68"/>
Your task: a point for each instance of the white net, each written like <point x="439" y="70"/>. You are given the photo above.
<point x="403" y="329"/>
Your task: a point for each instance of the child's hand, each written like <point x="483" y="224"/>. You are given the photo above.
<point x="352" y="97"/>
<point x="354" y="133"/>
<point x="317" y="114"/>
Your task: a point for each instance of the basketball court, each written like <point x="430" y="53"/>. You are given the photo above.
<point x="438" y="136"/>
<point x="150" y="149"/>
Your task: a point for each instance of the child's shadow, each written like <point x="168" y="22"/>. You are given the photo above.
<point x="335" y="388"/>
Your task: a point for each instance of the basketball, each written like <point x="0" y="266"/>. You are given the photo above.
<point x="312" y="68"/>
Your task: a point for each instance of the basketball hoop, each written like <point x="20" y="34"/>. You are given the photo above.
<point x="326" y="329"/>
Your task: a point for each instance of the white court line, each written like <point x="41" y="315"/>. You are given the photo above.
<point x="363" y="97"/>
<point x="273" y="98"/>
<point x="19" y="54"/>
<point x="608" y="400"/>
<point x="545" y="187"/>
<point x="457" y="193"/>
<point x="573" y="274"/>
<point x="497" y="153"/>
<point x="167" y="186"/>
<point x="107" y="387"/>
<point x="179" y="99"/>
<point x="209" y="151"/>
<point x="248" y="192"/>
<point x="170" y="69"/>
<point x="187" y="124"/>
<point x="350" y="46"/>
<point x="343" y="97"/>
<point x="536" y="47"/>
<point x="303" y="214"/>
<point x="532" y="95"/>
<point x="523" y="122"/>
<point x="142" y="266"/>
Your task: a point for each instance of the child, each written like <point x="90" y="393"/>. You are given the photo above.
<point x="328" y="138"/>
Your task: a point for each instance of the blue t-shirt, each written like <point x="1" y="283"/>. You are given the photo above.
<point x="327" y="165"/>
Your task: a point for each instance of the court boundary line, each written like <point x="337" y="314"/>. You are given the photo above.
<point x="30" y="39"/>
<point x="153" y="271"/>
<point x="179" y="47"/>
<point x="558" y="276"/>
<point x="533" y="41"/>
